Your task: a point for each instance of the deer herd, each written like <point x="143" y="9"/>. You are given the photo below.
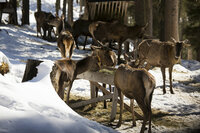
<point x="133" y="81"/>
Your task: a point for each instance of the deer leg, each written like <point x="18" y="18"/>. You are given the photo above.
<point x="71" y="51"/>
<point x="104" y="102"/>
<point x="133" y="113"/>
<point x="163" y="74"/>
<point x="119" y="52"/>
<point x="68" y="92"/>
<point x="170" y="79"/>
<point x="85" y="42"/>
<point x="110" y="87"/>
<point x="121" y="107"/>
<point x="76" y="40"/>
<point x="144" y="109"/>
<point x="60" y="86"/>
<point x="49" y="33"/>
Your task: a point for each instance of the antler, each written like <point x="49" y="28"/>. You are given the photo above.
<point x="174" y="40"/>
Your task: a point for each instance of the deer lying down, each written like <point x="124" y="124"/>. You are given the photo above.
<point x="161" y="54"/>
<point x="135" y="84"/>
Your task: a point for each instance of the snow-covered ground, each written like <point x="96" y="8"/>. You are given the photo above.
<point x="34" y="106"/>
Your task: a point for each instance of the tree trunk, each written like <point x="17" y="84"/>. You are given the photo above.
<point x="81" y="5"/>
<point x="38" y="5"/>
<point x="198" y="53"/>
<point x="171" y="20"/>
<point x="31" y="69"/>
<point x="70" y="12"/>
<point x="140" y="12"/>
<point x="57" y="7"/>
<point x="25" y="12"/>
<point x="64" y="7"/>
<point x="149" y="17"/>
<point x="162" y="21"/>
<point x="86" y="11"/>
<point x="189" y="53"/>
<point x="13" y="16"/>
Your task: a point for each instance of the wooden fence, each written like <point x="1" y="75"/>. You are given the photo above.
<point x="108" y="11"/>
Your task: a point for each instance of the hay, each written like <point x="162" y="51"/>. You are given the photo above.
<point x="4" y="68"/>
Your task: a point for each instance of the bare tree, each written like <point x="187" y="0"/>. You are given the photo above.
<point x="25" y="12"/>
<point x="13" y="16"/>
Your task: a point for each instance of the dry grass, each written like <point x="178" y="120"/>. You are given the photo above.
<point x="101" y="115"/>
<point x="4" y="68"/>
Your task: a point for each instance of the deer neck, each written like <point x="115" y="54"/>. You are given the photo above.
<point x="83" y="65"/>
<point x="172" y="55"/>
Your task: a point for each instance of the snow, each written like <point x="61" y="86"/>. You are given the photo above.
<point x="34" y="106"/>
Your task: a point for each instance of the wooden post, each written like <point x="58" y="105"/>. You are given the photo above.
<point x="114" y="105"/>
<point x="92" y="92"/>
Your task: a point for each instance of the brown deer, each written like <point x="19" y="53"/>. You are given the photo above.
<point x="42" y="18"/>
<point x="136" y="84"/>
<point x="65" y="42"/>
<point x="161" y="54"/>
<point x="114" y="31"/>
<point x="109" y="59"/>
<point x="81" y="27"/>
<point x="68" y="69"/>
<point x="58" y="23"/>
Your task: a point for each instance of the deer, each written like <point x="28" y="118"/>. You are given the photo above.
<point x="65" y="42"/>
<point x="161" y="54"/>
<point x="114" y="31"/>
<point x="58" y="23"/>
<point x="42" y="18"/>
<point x="68" y="69"/>
<point x="138" y="84"/>
<point x="109" y="59"/>
<point x="81" y="27"/>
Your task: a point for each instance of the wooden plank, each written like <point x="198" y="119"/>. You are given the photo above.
<point x="94" y="100"/>
<point x="125" y="105"/>
<point x="98" y="76"/>
<point x="92" y="92"/>
<point x="114" y="105"/>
